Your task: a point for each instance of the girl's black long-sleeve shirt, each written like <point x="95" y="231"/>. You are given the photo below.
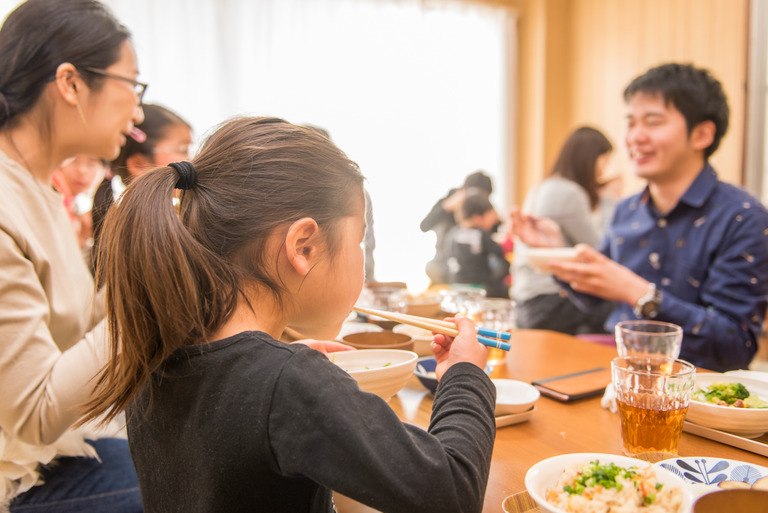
<point x="249" y="423"/>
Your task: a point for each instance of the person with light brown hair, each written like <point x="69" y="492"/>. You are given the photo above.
<point x="222" y="416"/>
<point x="68" y="86"/>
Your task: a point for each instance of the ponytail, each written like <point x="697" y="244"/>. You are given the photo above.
<point x="163" y="289"/>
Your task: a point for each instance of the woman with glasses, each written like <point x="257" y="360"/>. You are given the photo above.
<point x="67" y="86"/>
<point x="165" y="138"/>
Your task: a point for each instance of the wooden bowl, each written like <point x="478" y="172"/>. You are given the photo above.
<point x="423" y="308"/>
<point x="379" y="340"/>
<point x="733" y="501"/>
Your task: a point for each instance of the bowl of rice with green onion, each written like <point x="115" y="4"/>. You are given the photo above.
<point x="605" y="483"/>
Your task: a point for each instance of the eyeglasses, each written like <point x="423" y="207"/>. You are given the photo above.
<point x="138" y="87"/>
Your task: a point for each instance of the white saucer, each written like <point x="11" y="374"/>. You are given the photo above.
<point x="514" y="418"/>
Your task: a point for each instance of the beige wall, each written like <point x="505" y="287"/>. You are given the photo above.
<point x="576" y="57"/>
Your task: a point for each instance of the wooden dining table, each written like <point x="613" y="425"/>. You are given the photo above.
<point x="554" y="427"/>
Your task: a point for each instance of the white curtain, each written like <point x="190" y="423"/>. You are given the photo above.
<point x="415" y="92"/>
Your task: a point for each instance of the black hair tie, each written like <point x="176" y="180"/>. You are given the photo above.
<point x="187" y="174"/>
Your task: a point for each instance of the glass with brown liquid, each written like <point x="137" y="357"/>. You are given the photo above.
<point x="653" y="394"/>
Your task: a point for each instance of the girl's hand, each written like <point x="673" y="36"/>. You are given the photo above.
<point x="325" y="346"/>
<point x="463" y="348"/>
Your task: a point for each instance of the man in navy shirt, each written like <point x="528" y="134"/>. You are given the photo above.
<point x="689" y="249"/>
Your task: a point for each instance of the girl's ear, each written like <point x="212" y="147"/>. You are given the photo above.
<point x="68" y="82"/>
<point x="301" y="245"/>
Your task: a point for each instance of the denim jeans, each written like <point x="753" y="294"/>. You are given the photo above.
<point x="85" y="484"/>
<point x="558" y="313"/>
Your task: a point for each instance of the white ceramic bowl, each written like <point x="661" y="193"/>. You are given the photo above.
<point x="545" y="474"/>
<point x="380" y="371"/>
<point x="540" y="258"/>
<point x="421" y="338"/>
<point x="514" y="396"/>
<point x="746" y="422"/>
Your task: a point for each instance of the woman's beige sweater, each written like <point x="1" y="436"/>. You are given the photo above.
<point x="51" y="341"/>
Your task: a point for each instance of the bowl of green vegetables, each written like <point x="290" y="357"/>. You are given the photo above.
<point x="734" y="404"/>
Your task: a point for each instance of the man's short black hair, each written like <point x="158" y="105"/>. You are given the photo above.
<point x="693" y="91"/>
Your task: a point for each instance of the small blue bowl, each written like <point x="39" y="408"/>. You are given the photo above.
<point x="425" y="371"/>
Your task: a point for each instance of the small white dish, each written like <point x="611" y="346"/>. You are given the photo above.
<point x="745" y="422"/>
<point x="514" y="418"/>
<point x="545" y="474"/>
<point x="705" y="474"/>
<point x="514" y="396"/>
<point x="540" y="258"/>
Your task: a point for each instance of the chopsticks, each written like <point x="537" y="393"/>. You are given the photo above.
<point x="497" y="338"/>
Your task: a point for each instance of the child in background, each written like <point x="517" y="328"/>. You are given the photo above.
<point x="76" y="178"/>
<point x="444" y="215"/>
<point x="163" y="137"/>
<point x="221" y="415"/>
<point x="473" y="257"/>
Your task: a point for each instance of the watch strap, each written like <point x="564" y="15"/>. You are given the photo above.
<point x="648" y="305"/>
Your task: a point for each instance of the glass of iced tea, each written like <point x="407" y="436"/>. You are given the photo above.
<point x="643" y="337"/>
<point x="653" y="393"/>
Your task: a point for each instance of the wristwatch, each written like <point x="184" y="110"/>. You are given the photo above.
<point x="648" y="305"/>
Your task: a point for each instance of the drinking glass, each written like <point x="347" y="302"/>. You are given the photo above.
<point x="462" y="299"/>
<point x="653" y="393"/>
<point x="638" y="338"/>
<point x="500" y="315"/>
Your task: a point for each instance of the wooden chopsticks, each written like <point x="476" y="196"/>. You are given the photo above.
<point x="490" y="338"/>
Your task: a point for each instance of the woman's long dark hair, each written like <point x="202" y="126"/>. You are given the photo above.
<point x="39" y="35"/>
<point x="173" y="280"/>
<point x="577" y="159"/>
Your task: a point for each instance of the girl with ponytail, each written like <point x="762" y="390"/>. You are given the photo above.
<point x="222" y="415"/>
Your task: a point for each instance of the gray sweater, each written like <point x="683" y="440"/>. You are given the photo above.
<point x="568" y="202"/>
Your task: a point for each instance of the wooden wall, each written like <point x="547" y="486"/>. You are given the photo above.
<point x="576" y="56"/>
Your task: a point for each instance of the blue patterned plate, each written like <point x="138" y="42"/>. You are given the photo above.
<point x="710" y="472"/>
